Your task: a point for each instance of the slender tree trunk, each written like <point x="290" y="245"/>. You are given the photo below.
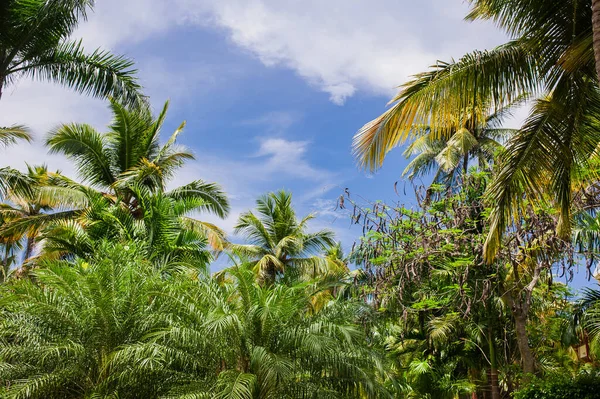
<point x="596" y="33"/>
<point x="494" y="387"/>
<point x="465" y="165"/>
<point x="29" y="245"/>
<point x="519" y="306"/>
<point x="24" y="269"/>
<point x="523" y="341"/>
<point x="5" y="265"/>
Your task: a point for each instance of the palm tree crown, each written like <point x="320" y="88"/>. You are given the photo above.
<point x="130" y="154"/>
<point x="111" y="326"/>
<point x="280" y="246"/>
<point x="451" y="152"/>
<point x="550" y="57"/>
<point x="128" y="170"/>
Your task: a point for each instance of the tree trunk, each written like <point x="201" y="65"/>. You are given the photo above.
<point x="596" y="33"/>
<point x="494" y="387"/>
<point x="523" y="341"/>
<point x="519" y="307"/>
<point x="29" y="245"/>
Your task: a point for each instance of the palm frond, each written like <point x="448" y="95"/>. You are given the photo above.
<point x="100" y="74"/>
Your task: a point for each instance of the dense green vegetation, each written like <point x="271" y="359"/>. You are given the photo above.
<point x="105" y="285"/>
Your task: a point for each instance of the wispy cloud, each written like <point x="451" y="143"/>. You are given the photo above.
<point x="274" y="122"/>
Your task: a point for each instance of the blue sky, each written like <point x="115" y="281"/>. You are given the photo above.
<point x="272" y="90"/>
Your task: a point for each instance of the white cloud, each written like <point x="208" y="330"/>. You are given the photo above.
<point x="274" y="122"/>
<point x="342" y="46"/>
<point x="244" y="179"/>
<point x="338" y="46"/>
<point x="118" y="22"/>
<point x="288" y="157"/>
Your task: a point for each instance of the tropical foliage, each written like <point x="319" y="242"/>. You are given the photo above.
<point x="115" y="326"/>
<point x="549" y="60"/>
<point x="280" y="246"/>
<point x="106" y="288"/>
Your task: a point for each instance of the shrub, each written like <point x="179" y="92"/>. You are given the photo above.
<point x="585" y="386"/>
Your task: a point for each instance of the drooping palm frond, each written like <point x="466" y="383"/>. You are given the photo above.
<point x="100" y="74"/>
<point x="87" y="148"/>
<point x="35" y="35"/>
<point x="437" y="98"/>
<point x="542" y="161"/>
<point x="216" y="237"/>
<point x="28" y="224"/>
<point x="212" y="197"/>
<point x="10" y="135"/>
<point x="586" y="236"/>
<point x="11" y="180"/>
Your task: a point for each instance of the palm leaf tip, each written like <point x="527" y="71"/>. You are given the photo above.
<point x="11" y="134"/>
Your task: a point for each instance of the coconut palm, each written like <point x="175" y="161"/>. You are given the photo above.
<point x="130" y="153"/>
<point x="112" y="165"/>
<point x="550" y="57"/>
<point x="449" y="156"/>
<point x="42" y="198"/>
<point x="34" y="42"/>
<point x="11" y="179"/>
<point x="280" y="246"/>
<point x="337" y="261"/>
<point x="173" y="240"/>
<point x="33" y="202"/>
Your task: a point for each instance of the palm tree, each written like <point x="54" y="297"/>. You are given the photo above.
<point x="34" y="42"/>
<point x="27" y="212"/>
<point x="337" y="261"/>
<point x="266" y="343"/>
<point x="586" y="320"/>
<point x="116" y="166"/>
<point x="280" y="247"/>
<point x="113" y="326"/>
<point x="70" y="334"/>
<point x="10" y="255"/>
<point x="129" y="154"/>
<point x="42" y="198"/>
<point x="172" y="239"/>
<point x="11" y="179"/>
<point x="550" y="56"/>
<point x="450" y="157"/>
